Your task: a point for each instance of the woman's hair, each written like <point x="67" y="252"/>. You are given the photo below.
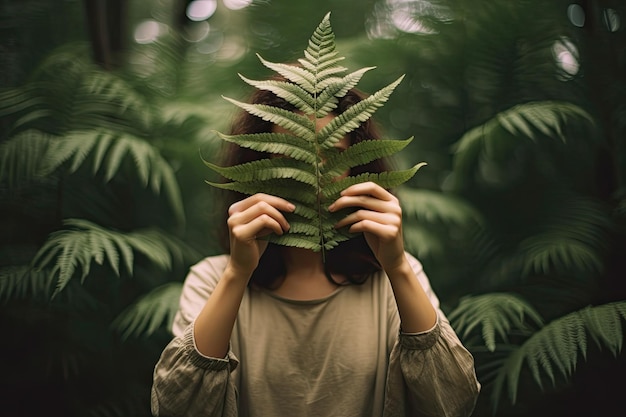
<point x="352" y="258"/>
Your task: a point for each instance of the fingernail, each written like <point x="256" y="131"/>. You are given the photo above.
<point x="331" y="207"/>
<point x="291" y="207"/>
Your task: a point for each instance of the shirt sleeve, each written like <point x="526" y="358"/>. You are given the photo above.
<point x="185" y="382"/>
<point x="431" y="373"/>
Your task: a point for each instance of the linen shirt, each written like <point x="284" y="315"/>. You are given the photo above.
<point x="340" y="355"/>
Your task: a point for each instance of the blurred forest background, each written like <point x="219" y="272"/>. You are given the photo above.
<point x="518" y="107"/>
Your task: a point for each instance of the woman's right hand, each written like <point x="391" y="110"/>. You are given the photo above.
<point x="250" y="219"/>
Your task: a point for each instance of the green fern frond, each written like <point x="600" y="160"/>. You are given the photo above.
<point x="574" y="238"/>
<point x="19" y="282"/>
<point x="352" y="118"/>
<point x="496" y="314"/>
<point x="73" y="250"/>
<point x="20" y="157"/>
<point x="153" y="310"/>
<point x="434" y="206"/>
<point x="107" y="151"/>
<point x="556" y="348"/>
<point x="309" y="167"/>
<point x="266" y="169"/>
<point x="106" y="86"/>
<point x="389" y="179"/>
<point x="362" y="153"/>
<point x="266" y="142"/>
<point x="546" y="117"/>
<point x="499" y="136"/>
<point x="423" y="242"/>
<point x="25" y="98"/>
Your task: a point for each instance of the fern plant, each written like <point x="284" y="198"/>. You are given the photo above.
<point x="307" y="176"/>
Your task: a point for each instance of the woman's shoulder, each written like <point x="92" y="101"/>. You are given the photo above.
<point x="210" y="266"/>
<point x="199" y="284"/>
<point x="416" y="265"/>
<point x="203" y="277"/>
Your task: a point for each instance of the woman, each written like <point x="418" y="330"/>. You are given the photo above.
<point x="273" y="331"/>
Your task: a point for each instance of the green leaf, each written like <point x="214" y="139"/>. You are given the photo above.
<point x="70" y="252"/>
<point x="499" y="137"/>
<point x="309" y="167"/>
<point x="555" y="349"/>
<point x="153" y="310"/>
<point x="496" y="314"/>
<point x="106" y="151"/>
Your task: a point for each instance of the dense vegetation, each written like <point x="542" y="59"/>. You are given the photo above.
<point x="519" y="217"/>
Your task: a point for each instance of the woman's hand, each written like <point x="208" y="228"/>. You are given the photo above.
<point x="250" y="219"/>
<point x="379" y="217"/>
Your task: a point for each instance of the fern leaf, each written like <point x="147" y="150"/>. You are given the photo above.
<point x="293" y="93"/>
<point x="153" y="310"/>
<point x="545" y="117"/>
<point x="422" y="242"/>
<point x="390" y="179"/>
<point x="496" y="314"/>
<point x="307" y="171"/>
<point x="107" y="151"/>
<point x="500" y="136"/>
<point x="266" y="169"/>
<point x="279" y="143"/>
<point x="283" y="187"/>
<point x="300" y="126"/>
<point x="555" y="349"/>
<point x="362" y="153"/>
<point x="434" y="206"/>
<point x="573" y="237"/>
<point x="300" y="76"/>
<point x="20" y="282"/>
<point x="20" y="157"/>
<point x="72" y="250"/>
<point x="16" y="100"/>
<point x="349" y="120"/>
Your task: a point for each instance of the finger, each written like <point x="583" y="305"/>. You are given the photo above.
<point x="369" y="188"/>
<point x="371" y="216"/>
<point x="277" y="202"/>
<point x="382" y="231"/>
<point x="258" y="227"/>
<point x="260" y="209"/>
<point x="367" y="202"/>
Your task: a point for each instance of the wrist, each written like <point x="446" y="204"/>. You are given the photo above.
<point x="399" y="269"/>
<point x="237" y="273"/>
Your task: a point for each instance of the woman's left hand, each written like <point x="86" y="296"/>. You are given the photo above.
<point x="379" y="217"/>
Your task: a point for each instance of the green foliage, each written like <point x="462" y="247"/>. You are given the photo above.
<point x="496" y="314"/>
<point x="308" y="173"/>
<point x="557" y="348"/>
<point x="93" y="231"/>
<point x="573" y="238"/>
<point x="504" y="133"/>
<point x="23" y="282"/>
<point x="107" y="150"/>
<point x="154" y="310"/>
<point x="85" y="242"/>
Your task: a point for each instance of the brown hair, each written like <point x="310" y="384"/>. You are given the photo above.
<point x="353" y="258"/>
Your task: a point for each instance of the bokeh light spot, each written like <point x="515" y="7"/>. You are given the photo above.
<point x="566" y="56"/>
<point x="611" y="20"/>
<point x="196" y="31"/>
<point x="199" y="10"/>
<point x="576" y="15"/>
<point x="149" y="31"/>
<point x="237" y="4"/>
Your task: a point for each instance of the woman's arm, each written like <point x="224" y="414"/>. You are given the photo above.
<point x="430" y="371"/>
<point x="379" y="217"/>
<point x="193" y="375"/>
<point x="249" y="219"/>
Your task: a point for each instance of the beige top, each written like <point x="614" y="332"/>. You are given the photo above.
<point x="341" y="355"/>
